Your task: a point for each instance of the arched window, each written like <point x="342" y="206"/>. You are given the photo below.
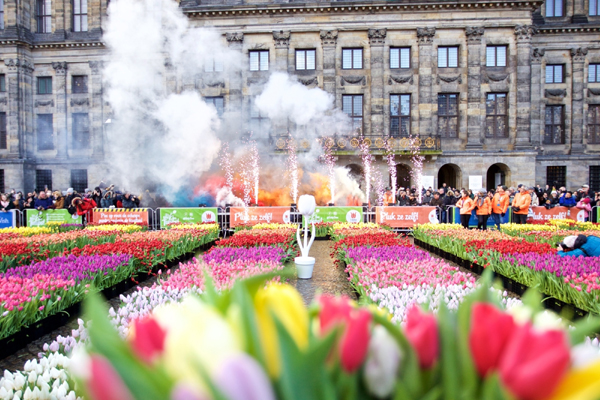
<point x="80" y="18"/>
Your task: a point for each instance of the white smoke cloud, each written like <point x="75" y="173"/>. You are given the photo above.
<point x="346" y="186"/>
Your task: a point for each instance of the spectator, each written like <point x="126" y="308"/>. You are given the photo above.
<point x="388" y="197"/>
<point x="128" y="201"/>
<point x="437" y="200"/>
<point x="59" y="200"/>
<point x="520" y="205"/>
<point x="69" y="197"/>
<point x="500" y="204"/>
<point x="426" y="199"/>
<point x="412" y="200"/>
<point x="567" y="200"/>
<point x="18" y="202"/>
<point x="534" y="199"/>
<point x="596" y="201"/>
<point x="584" y="204"/>
<point x="581" y="245"/>
<point x="466" y="205"/>
<point x="402" y="199"/>
<point x="97" y="195"/>
<point x="107" y="200"/>
<point x="29" y="201"/>
<point x="83" y="205"/>
<point x="5" y="203"/>
<point x="483" y="206"/>
<point x="43" y="202"/>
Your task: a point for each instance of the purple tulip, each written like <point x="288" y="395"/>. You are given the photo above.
<point x="242" y="378"/>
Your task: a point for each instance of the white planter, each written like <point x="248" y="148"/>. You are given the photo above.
<point x="304" y="266"/>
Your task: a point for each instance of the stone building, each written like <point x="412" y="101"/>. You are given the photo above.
<point x="505" y="91"/>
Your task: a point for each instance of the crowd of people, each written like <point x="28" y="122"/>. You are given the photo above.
<point x="494" y="203"/>
<point x="70" y="200"/>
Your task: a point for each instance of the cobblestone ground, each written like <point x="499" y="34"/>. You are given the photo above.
<point x="327" y="278"/>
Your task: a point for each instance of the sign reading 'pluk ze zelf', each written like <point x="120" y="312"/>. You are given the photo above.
<point x="135" y="216"/>
<point x="169" y="216"/>
<point x="258" y="215"/>
<point x="337" y="214"/>
<point x="541" y="214"/>
<point x="406" y="217"/>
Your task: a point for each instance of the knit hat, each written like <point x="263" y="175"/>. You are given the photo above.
<point x="69" y="190"/>
<point x="586" y="200"/>
<point x="569" y="241"/>
<point x="554" y="192"/>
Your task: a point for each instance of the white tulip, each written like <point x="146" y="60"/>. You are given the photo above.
<point x="381" y="365"/>
<point x="307" y="205"/>
<point x="28" y="395"/>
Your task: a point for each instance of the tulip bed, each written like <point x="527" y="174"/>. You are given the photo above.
<point x="532" y="262"/>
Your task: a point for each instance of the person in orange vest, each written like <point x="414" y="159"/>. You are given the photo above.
<point x="483" y="205"/>
<point x="388" y="197"/>
<point x="500" y="205"/>
<point x="466" y="205"/>
<point x="520" y="205"/>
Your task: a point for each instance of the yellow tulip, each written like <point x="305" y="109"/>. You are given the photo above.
<point x="285" y="303"/>
<point x="580" y="384"/>
<point x="275" y="226"/>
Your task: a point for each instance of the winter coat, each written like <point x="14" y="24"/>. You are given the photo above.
<point x="439" y="202"/>
<point x="44" y="203"/>
<point x="572" y="253"/>
<point x="466" y="205"/>
<point x="500" y="203"/>
<point x="85" y="206"/>
<point x="483" y="207"/>
<point x="60" y="203"/>
<point x="522" y="201"/>
<point x="586" y="207"/>
<point x="590" y="245"/>
<point x="106" y="202"/>
<point x="567" y="202"/>
<point x="128" y="203"/>
<point x="403" y="201"/>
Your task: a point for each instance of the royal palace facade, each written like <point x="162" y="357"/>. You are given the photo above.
<point x="508" y="91"/>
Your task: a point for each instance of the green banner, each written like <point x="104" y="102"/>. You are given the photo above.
<point x="337" y="214"/>
<point x="41" y="218"/>
<point x="168" y="216"/>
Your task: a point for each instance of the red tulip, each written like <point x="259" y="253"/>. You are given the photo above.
<point x="534" y="363"/>
<point x="491" y="330"/>
<point x="333" y="310"/>
<point x="149" y="339"/>
<point x="422" y="332"/>
<point x="355" y="342"/>
<point x="105" y="383"/>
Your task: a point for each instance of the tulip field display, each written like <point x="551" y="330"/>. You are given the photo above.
<point x="528" y="257"/>
<point x="261" y="342"/>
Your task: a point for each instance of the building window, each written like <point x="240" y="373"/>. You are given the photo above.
<point x="352" y="105"/>
<point x="80" y="20"/>
<point x="594" y="178"/>
<point x="496" y="115"/>
<point x="213" y="65"/>
<point x="260" y="124"/>
<point x="1" y="14"/>
<point x="3" y="133"/>
<point x="44" y="16"/>
<point x="79" y="180"/>
<point x="594" y="12"/>
<point x="399" y="57"/>
<point x="2" y="81"/>
<point x="448" y="115"/>
<point x="352" y="58"/>
<point x="45" y="132"/>
<point x="44" y="85"/>
<point x="554" y="73"/>
<point x="593" y="120"/>
<point x="259" y="60"/>
<point x="400" y="115"/>
<point x="43" y="179"/>
<point x="554" y="8"/>
<point x="218" y="102"/>
<point x="79" y="84"/>
<point x="81" y="131"/>
<point x="447" y="57"/>
<point x="306" y="60"/>
<point x="556" y="176"/>
<point x="555" y="125"/>
<point x="594" y="73"/>
<point x="496" y="56"/>
<point x="2" y="186"/>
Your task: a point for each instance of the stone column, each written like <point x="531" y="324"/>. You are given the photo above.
<point x="537" y="120"/>
<point x="96" y="110"/>
<point x="475" y="99"/>
<point x="329" y="42"/>
<point x="282" y="43"/>
<point x="234" y="101"/>
<point x="425" y="38"/>
<point x="19" y="107"/>
<point x="377" y="42"/>
<point x="577" y="86"/>
<point x="60" y="115"/>
<point x="524" y="34"/>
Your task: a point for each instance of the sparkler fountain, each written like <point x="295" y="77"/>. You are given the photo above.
<point x="417" y="161"/>
<point x="292" y="169"/>
<point x="225" y="163"/>
<point x="254" y="161"/>
<point x="391" y="162"/>
<point x="367" y="160"/>
<point x="330" y="161"/>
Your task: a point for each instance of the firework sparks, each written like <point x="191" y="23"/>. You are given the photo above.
<point x="367" y="160"/>
<point x="391" y="162"/>
<point x="417" y="161"/>
<point x="255" y="174"/>
<point x="292" y="168"/>
<point x="329" y="159"/>
<point x="379" y="186"/>
<point x="225" y="163"/>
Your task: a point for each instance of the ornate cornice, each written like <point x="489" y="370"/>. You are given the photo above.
<point x="281" y="38"/>
<point x="425" y="35"/>
<point x="537" y="54"/>
<point x="377" y="36"/>
<point x="563" y="30"/>
<point x="329" y="38"/>
<point x="60" y="67"/>
<point x="233" y="37"/>
<point x="15" y="64"/>
<point x="579" y="54"/>
<point x="524" y="33"/>
<point x="474" y="34"/>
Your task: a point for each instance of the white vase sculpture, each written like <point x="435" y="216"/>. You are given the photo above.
<point x="305" y="264"/>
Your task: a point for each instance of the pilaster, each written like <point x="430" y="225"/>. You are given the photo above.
<point x="475" y="99"/>
<point x="60" y="116"/>
<point x="97" y="110"/>
<point x="19" y="106"/>
<point x="577" y="120"/>
<point x="425" y="38"/>
<point x="524" y="33"/>
<point x="377" y="42"/>
<point x="537" y="125"/>
<point x="235" y="98"/>
<point x="329" y="43"/>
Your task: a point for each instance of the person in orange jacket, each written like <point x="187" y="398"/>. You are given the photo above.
<point x="520" y="205"/>
<point x="500" y="204"/>
<point x="483" y="205"/>
<point x="466" y="205"/>
<point x="388" y="197"/>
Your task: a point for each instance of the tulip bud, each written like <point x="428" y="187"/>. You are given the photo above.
<point x="242" y="378"/>
<point x="422" y="332"/>
<point x="105" y="383"/>
<point x="355" y="341"/>
<point x="148" y="339"/>
<point x="381" y="365"/>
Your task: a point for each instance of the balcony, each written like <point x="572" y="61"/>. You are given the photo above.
<point x="349" y="145"/>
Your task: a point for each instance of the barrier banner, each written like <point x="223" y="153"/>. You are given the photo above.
<point x="337" y="214"/>
<point x="41" y="218"/>
<point x="473" y="220"/>
<point x="8" y="219"/>
<point x="191" y="215"/>
<point x="406" y="217"/>
<point x="258" y="215"/>
<point x="538" y="215"/>
<point x="104" y="216"/>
